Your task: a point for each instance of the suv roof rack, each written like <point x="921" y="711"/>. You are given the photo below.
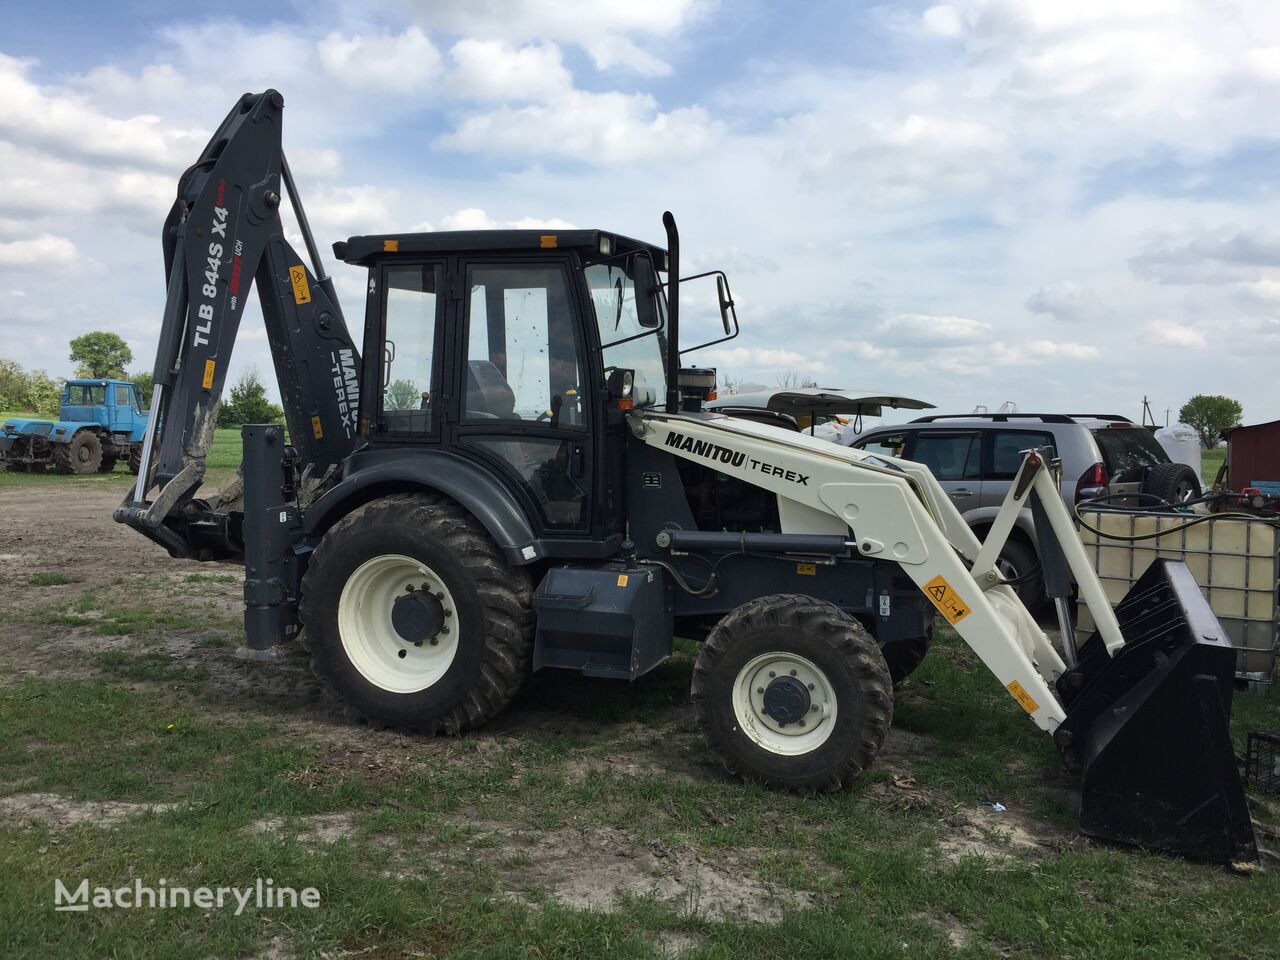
<point x="1002" y="417"/>
<point x="1114" y="417"/>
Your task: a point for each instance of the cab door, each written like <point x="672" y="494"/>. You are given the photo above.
<point x="521" y="392"/>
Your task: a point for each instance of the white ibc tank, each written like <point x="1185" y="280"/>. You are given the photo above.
<point x="1181" y="443"/>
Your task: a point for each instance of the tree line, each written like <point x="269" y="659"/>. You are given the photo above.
<point x="101" y="355"/>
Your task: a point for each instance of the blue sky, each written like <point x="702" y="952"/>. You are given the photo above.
<point x="1064" y="205"/>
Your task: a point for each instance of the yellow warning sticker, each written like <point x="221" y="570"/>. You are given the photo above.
<point x="301" y="290"/>
<point x="946" y="599"/>
<point x="390" y="246"/>
<point x="209" y="367"/>
<point x="548" y="240"/>
<point x="1025" y="699"/>
<point x="316" y="428"/>
<point x="807" y="569"/>
<point x="623" y="579"/>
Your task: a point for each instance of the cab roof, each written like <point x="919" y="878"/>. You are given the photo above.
<point x="599" y="243"/>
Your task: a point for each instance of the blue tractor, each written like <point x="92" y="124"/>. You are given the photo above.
<point x="100" y="422"/>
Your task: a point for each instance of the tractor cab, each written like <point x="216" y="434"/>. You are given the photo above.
<point x="519" y="351"/>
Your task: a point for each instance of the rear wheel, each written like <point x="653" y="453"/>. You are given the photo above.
<point x="791" y="692"/>
<point x="82" y="454"/>
<point x="1172" y="482"/>
<point x="414" y="618"/>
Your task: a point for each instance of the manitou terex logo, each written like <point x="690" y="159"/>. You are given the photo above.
<point x="346" y="385"/>
<point x="733" y="458"/>
<point x="261" y="895"/>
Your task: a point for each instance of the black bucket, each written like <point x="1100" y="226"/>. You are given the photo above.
<point x="1147" y="728"/>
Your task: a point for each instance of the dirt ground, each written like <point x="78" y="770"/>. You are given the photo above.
<point x="99" y="570"/>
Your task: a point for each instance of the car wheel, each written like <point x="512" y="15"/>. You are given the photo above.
<point x="1017" y="563"/>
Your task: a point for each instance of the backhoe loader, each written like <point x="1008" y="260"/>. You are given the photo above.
<point x="512" y="471"/>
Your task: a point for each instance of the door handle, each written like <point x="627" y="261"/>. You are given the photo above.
<point x="962" y="492"/>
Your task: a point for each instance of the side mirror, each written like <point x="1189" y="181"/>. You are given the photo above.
<point x="726" y="302"/>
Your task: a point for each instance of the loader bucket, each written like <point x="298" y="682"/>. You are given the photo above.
<point x="1147" y="727"/>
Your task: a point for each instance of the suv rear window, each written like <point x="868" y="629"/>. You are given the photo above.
<point x="1006" y="451"/>
<point x="1128" y="453"/>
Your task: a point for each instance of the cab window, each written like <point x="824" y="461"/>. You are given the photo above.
<point x="86" y="394"/>
<point x="522" y="347"/>
<point x="628" y="317"/>
<point x="410" y="305"/>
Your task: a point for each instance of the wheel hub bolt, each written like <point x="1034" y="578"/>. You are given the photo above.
<point x="434" y="642"/>
<point x="793" y="673"/>
<point x="772" y="674"/>
<point x="802" y="723"/>
<point x="812" y="686"/>
<point x="759" y="689"/>
<point x="403" y="654"/>
<point x="444" y="629"/>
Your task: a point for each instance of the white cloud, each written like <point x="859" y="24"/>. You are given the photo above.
<point x="69" y="124"/>
<point x="610" y="31"/>
<point x="1067" y="301"/>
<point x="1167" y="333"/>
<point x="495" y="70"/>
<point x="44" y="250"/>
<point x="473" y="218"/>
<point x="600" y="128"/>
<point x="399" y="63"/>
<point x="928" y="329"/>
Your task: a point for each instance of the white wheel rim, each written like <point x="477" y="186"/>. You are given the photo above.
<point x="372" y="644"/>
<point x="792" y="739"/>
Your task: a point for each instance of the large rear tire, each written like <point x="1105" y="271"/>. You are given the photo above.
<point x="82" y="454"/>
<point x="441" y="657"/>
<point x="791" y="692"/>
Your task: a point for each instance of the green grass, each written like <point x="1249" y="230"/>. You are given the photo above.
<point x="51" y="579"/>
<point x="421" y="874"/>
<point x="1210" y="462"/>
<point x="224" y="457"/>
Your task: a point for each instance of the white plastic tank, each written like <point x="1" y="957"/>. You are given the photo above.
<point x="1181" y="443"/>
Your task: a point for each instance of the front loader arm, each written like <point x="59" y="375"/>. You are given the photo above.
<point x="224" y="234"/>
<point x="897" y="513"/>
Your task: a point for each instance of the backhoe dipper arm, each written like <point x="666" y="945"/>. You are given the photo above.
<point x="224" y="233"/>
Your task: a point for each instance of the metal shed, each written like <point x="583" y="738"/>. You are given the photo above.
<point x="1253" y="454"/>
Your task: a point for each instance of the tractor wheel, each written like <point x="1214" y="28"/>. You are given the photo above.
<point x="791" y="692"/>
<point x="81" y="455"/>
<point x="135" y="458"/>
<point x="108" y="464"/>
<point x="413" y="616"/>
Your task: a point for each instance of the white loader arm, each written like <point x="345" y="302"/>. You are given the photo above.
<point x="897" y="511"/>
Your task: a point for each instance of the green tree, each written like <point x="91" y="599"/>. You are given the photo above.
<point x="143" y="382"/>
<point x="248" y="403"/>
<point x="1209" y="415"/>
<point x="44" y="394"/>
<point x="403" y="395"/>
<point x="13" y="384"/>
<point x="100" y="354"/>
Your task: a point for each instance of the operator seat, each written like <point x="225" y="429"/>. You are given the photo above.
<point x="488" y="393"/>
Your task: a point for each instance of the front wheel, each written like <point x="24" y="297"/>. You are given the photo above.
<point x="82" y="454"/>
<point x="791" y="692"/>
<point x="413" y="616"/>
